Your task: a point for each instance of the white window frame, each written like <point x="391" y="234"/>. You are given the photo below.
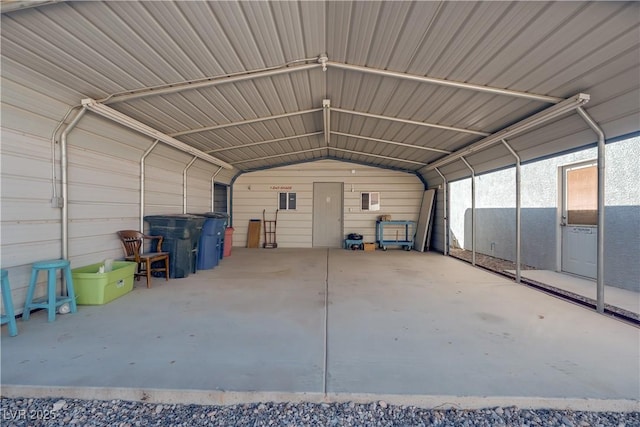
<point x="373" y="198"/>
<point x="287" y="199"/>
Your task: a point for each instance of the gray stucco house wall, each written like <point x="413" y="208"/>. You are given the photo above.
<point x="495" y="214"/>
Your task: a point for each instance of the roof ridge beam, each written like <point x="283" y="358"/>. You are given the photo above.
<point x="448" y="83"/>
<point x="411" y="122"/>
<point x="244" y="122"/>
<point x="386" y="141"/>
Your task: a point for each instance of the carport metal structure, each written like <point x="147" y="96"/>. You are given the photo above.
<point x="438" y="89"/>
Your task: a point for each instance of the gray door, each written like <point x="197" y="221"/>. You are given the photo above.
<point x="327" y="214"/>
<point x="579" y="219"/>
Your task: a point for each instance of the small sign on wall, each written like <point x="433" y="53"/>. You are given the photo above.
<point x="582" y="230"/>
<point x="281" y="187"/>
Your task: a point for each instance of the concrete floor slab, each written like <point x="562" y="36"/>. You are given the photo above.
<point x="399" y="322"/>
<point x="427" y="324"/>
<point x="254" y="324"/>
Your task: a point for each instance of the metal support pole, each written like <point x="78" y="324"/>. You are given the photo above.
<point x="473" y="211"/>
<point x="518" y="211"/>
<point x="601" y="164"/>
<point x="64" y="166"/>
<point x="445" y="225"/>
<point x="184" y="184"/>
<point x="142" y="182"/>
<point x="65" y="183"/>
<point x="213" y="187"/>
<point x="326" y="119"/>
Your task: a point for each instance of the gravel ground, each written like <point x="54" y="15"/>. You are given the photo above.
<point x="75" y="412"/>
<point x="486" y="261"/>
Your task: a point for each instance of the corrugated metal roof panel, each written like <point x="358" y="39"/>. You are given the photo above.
<point x="92" y="49"/>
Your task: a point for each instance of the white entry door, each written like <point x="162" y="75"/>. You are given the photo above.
<point x="327" y="214"/>
<point x="580" y="219"/>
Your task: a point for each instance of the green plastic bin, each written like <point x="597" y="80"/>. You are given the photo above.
<point x="93" y="288"/>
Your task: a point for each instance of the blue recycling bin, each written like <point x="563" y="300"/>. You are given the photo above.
<point x="181" y="234"/>
<point x="211" y="244"/>
<point x="223" y="221"/>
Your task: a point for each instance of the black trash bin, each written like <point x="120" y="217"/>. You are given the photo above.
<point x="181" y="234"/>
<point x="211" y="240"/>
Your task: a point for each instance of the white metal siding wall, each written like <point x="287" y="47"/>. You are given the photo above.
<point x="104" y="184"/>
<point x="164" y="183"/>
<point x="199" y="187"/>
<point x="103" y="190"/>
<point x="400" y="196"/>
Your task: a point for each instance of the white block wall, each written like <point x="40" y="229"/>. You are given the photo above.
<point x="400" y="195"/>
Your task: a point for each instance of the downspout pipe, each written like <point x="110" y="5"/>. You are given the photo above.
<point x="142" y="182"/>
<point x="184" y="184"/>
<point x="518" y="212"/>
<point x="445" y="226"/>
<point x="64" y="166"/>
<point x="601" y="170"/>
<point x="213" y="187"/>
<point x="473" y="211"/>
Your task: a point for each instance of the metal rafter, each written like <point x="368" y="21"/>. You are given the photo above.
<point x="362" y="153"/>
<point x="386" y="141"/>
<point x="530" y="122"/>
<point x="322" y="61"/>
<point x="443" y="82"/>
<point x="206" y="82"/>
<point x="410" y="122"/>
<point x="253" y="144"/>
<point x="131" y="123"/>
<point x="292" y="153"/>
<point x="13" y="5"/>
<point x="244" y="122"/>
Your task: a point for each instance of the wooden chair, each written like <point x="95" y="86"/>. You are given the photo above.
<point x="132" y="243"/>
